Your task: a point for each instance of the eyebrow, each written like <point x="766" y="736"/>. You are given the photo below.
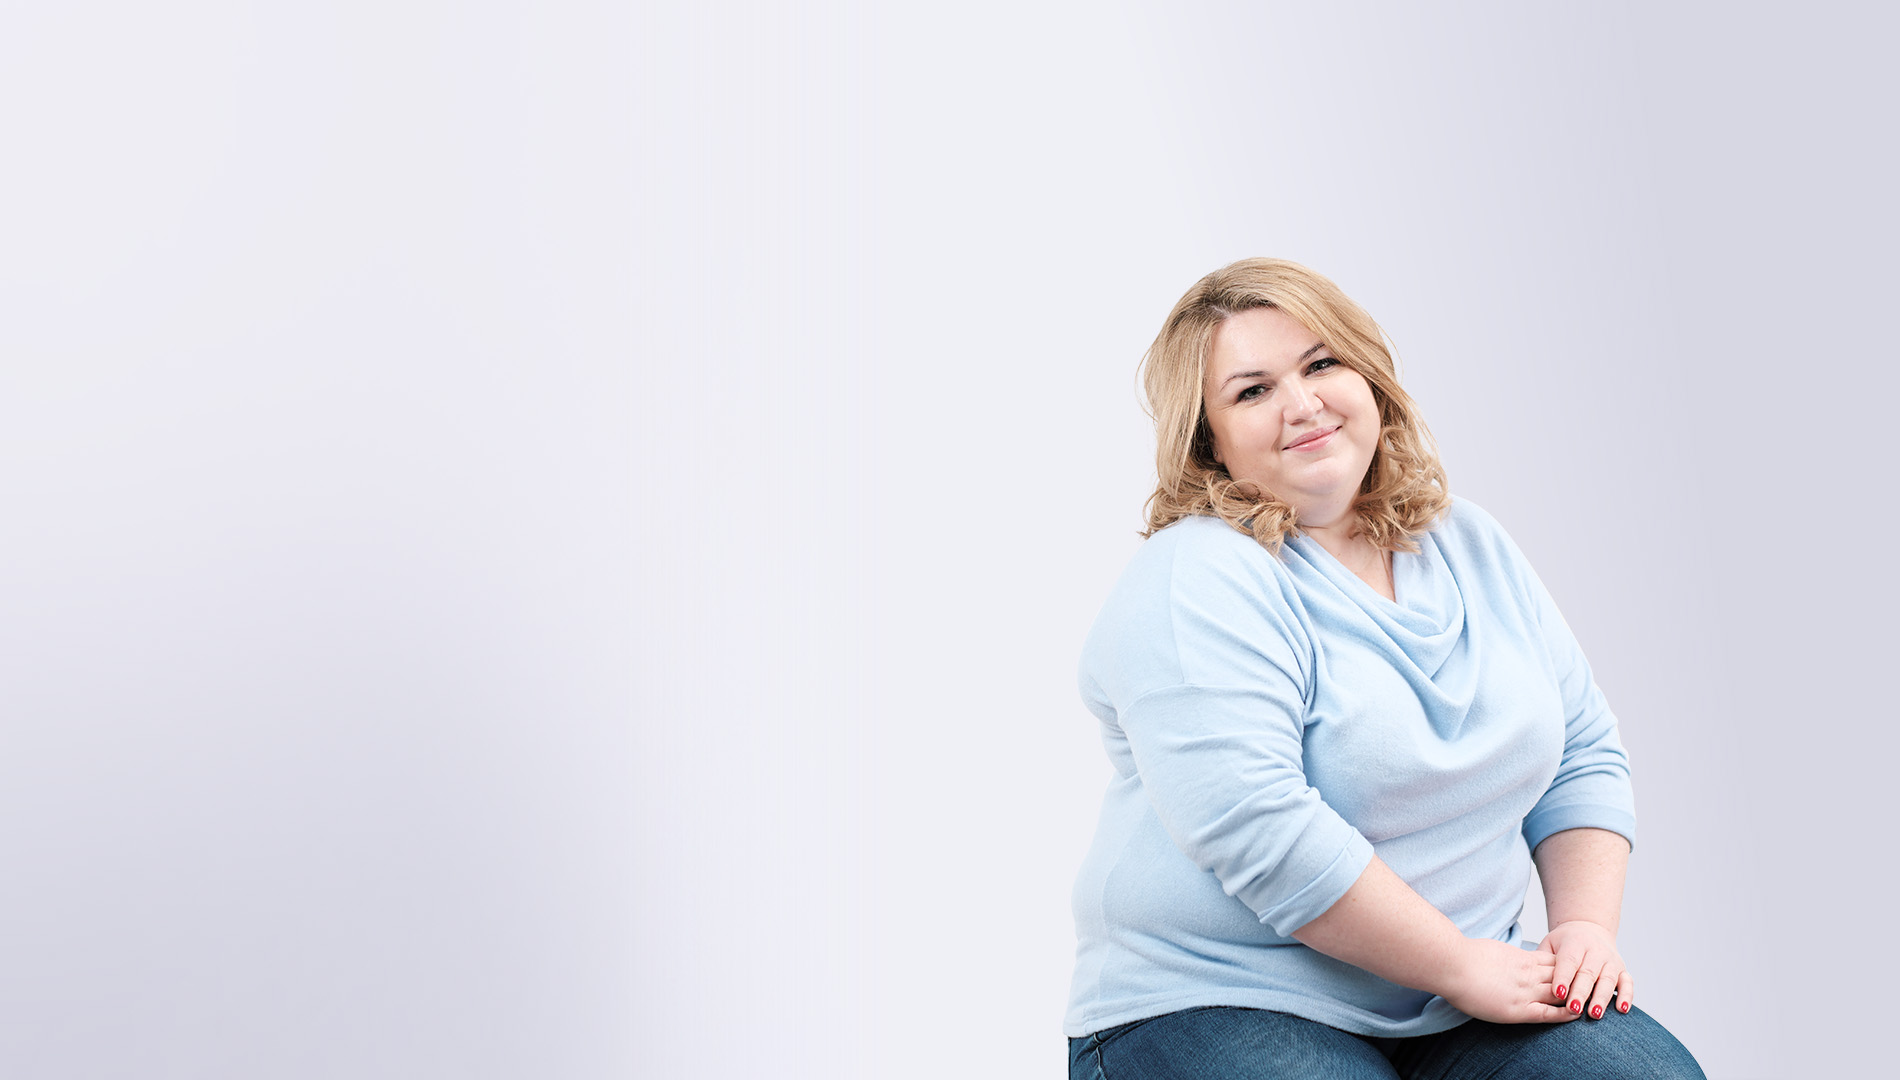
<point x="1317" y="346"/>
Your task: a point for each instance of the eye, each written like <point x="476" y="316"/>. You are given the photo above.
<point x="1321" y="364"/>
<point x="1254" y="391"/>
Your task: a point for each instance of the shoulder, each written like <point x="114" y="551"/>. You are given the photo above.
<point x="1466" y="518"/>
<point x="1483" y="553"/>
<point x="1466" y="527"/>
<point x="1194" y="593"/>
<point x="1202" y="539"/>
<point x="1200" y="560"/>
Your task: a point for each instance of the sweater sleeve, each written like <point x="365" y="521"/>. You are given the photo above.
<point x="1592" y="785"/>
<point x="1203" y="674"/>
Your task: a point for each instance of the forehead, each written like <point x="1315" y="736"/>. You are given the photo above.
<point x="1258" y="339"/>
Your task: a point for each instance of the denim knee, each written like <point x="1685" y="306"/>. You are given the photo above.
<point x="1618" y="1047"/>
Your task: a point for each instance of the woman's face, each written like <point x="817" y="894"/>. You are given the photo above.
<point x="1288" y="416"/>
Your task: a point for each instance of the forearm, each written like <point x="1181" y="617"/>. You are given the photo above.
<point x="1582" y="871"/>
<point x="1383" y="926"/>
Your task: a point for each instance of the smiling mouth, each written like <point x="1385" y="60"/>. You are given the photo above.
<point x="1312" y="439"/>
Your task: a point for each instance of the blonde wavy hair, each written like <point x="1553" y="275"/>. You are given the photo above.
<point x="1404" y="491"/>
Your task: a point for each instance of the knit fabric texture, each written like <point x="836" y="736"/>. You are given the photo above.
<point x="1274" y="721"/>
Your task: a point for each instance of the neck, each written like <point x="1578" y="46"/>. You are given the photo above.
<point x="1343" y="541"/>
<point x="1338" y="534"/>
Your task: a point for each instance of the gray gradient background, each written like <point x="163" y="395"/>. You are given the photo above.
<point x="552" y="540"/>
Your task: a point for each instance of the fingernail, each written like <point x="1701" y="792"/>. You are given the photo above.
<point x="1625" y="1006"/>
<point x="1561" y="991"/>
<point x="1576" y="1006"/>
<point x="1596" y="1013"/>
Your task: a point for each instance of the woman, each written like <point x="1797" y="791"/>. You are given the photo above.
<point x="1345" y="718"/>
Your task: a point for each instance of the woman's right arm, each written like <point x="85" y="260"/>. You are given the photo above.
<point x="1381" y="925"/>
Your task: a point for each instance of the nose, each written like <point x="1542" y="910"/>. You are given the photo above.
<point x="1302" y="404"/>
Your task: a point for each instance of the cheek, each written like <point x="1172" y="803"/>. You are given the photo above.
<point x="1362" y="400"/>
<point x="1240" y="434"/>
<point x="1362" y="392"/>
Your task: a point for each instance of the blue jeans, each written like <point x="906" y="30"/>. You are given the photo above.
<point x="1222" y="1043"/>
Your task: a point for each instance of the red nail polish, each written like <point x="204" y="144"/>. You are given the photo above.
<point x="1625" y="1006"/>
<point x="1576" y="1006"/>
<point x="1596" y="1013"/>
<point x="1560" y="991"/>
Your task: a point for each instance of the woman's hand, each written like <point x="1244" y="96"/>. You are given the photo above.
<point x="1586" y="969"/>
<point x="1506" y="985"/>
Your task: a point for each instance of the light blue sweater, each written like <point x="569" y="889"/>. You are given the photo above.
<point x="1273" y="722"/>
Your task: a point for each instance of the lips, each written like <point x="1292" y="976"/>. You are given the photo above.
<point x="1313" y="440"/>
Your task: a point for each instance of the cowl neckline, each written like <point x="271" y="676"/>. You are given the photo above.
<point x="1427" y="620"/>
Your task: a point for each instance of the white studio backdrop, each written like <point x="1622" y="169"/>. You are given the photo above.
<point x="317" y="459"/>
<point x="552" y="540"/>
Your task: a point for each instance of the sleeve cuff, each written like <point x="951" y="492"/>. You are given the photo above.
<point x="1323" y="891"/>
<point x="1543" y="822"/>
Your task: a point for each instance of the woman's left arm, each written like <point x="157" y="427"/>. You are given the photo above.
<point x="1582" y="871"/>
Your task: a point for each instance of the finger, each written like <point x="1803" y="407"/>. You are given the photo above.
<point x="1625" y="991"/>
<point x="1539" y="1013"/>
<point x="1599" y="1002"/>
<point x="1583" y="982"/>
<point x="1565" y="974"/>
<point x="1576" y="974"/>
